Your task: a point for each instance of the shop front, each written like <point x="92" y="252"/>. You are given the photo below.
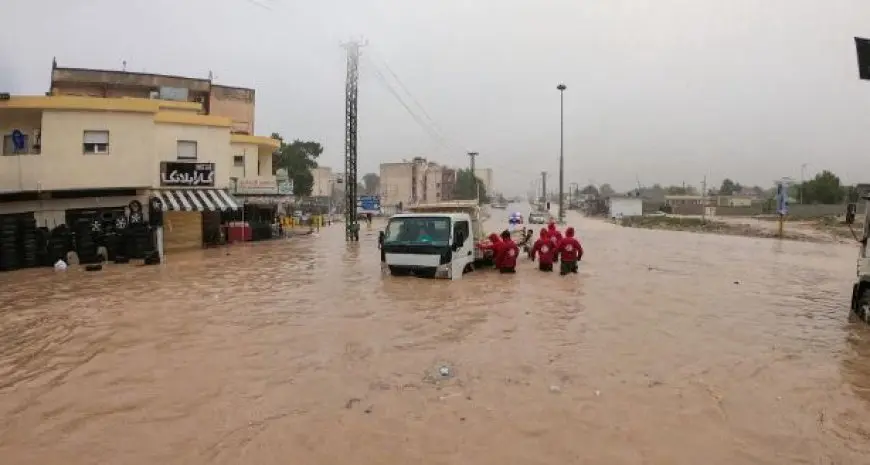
<point x="191" y="206"/>
<point x="264" y="203"/>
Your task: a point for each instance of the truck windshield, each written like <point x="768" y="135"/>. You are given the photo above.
<point x="429" y="230"/>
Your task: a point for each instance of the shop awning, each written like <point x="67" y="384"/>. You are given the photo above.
<point x="197" y="200"/>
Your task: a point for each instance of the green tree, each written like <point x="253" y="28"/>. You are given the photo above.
<point x="681" y="190"/>
<point x="298" y="158"/>
<point x="730" y="187"/>
<point x="590" y="190"/>
<point x="465" y="186"/>
<point x="605" y="190"/>
<point x="371" y="184"/>
<point x="825" y="188"/>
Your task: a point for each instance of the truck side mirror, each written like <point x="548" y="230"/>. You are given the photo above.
<point x="380" y="239"/>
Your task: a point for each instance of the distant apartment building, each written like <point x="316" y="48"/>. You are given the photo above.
<point x="416" y="181"/>
<point x="324" y="182"/>
<point x="485" y="176"/>
<point x="235" y="103"/>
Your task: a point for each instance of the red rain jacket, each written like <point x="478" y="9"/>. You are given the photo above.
<point x="544" y="249"/>
<point x="570" y="249"/>
<point x="506" y="253"/>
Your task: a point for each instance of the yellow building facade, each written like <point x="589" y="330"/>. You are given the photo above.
<point x="67" y="154"/>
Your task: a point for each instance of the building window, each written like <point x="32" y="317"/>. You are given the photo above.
<point x="95" y="142"/>
<point x="9" y="146"/>
<point x="187" y="150"/>
<point x="239" y="161"/>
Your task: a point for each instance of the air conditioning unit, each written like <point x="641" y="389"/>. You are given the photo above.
<point x="101" y="148"/>
<point x="154" y="94"/>
<point x="200" y="100"/>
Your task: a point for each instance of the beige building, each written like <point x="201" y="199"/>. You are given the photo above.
<point x="64" y="155"/>
<point x="415" y="181"/>
<point x="235" y="103"/>
<point x="734" y="201"/>
<point x="485" y="176"/>
<point x="324" y="182"/>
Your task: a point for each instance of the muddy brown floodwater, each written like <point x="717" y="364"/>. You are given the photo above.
<point x="667" y="348"/>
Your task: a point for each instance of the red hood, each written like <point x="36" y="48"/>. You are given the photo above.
<point x="569" y="232"/>
<point x="494" y="238"/>
<point x="544" y="233"/>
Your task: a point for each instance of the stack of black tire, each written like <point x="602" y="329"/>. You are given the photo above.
<point x="85" y="246"/>
<point x="27" y="245"/>
<point x="43" y="236"/>
<point x="138" y="240"/>
<point x="9" y="244"/>
<point x="59" y="244"/>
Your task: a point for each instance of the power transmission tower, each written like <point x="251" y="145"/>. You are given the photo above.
<point x="472" y="156"/>
<point x="350" y="156"/>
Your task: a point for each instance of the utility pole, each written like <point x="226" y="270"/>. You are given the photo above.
<point x="561" y="88"/>
<point x="704" y="200"/>
<point x="350" y="155"/>
<point x="544" y="188"/>
<point x="472" y="156"/>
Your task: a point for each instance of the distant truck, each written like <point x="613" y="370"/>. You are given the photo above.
<point x="439" y="240"/>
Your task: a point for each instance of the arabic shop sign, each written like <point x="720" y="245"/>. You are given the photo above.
<point x="187" y="174"/>
<point x="256" y="186"/>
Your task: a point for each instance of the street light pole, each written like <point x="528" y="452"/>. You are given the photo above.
<point x="561" y="88"/>
<point x="801" y="190"/>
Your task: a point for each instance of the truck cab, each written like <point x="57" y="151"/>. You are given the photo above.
<point x="861" y="287"/>
<point x="435" y="240"/>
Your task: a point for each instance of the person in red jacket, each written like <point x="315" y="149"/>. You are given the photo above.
<point x="571" y="252"/>
<point x="555" y="238"/>
<point x="506" y="254"/>
<point x="493" y="246"/>
<point x="545" y="251"/>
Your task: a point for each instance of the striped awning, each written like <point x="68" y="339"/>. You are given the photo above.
<point x="197" y="200"/>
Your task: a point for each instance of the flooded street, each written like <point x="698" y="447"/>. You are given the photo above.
<point x="668" y="348"/>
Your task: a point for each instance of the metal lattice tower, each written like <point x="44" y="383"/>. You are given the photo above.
<point x="350" y="155"/>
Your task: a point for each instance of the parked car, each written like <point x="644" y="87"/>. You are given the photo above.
<point x="537" y="218"/>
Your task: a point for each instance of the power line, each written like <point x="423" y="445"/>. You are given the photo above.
<point x="259" y="4"/>
<point x="426" y="127"/>
<point x="414" y="100"/>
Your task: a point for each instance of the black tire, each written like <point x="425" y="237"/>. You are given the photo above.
<point x="862" y="305"/>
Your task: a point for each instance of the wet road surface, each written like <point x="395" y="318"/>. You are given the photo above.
<point x="667" y="348"/>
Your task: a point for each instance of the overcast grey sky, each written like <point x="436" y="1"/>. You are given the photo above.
<point x="665" y="90"/>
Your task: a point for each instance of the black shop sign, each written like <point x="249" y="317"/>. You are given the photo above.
<point x="179" y="173"/>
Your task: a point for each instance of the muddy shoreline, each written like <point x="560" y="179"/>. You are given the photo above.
<point x="818" y="231"/>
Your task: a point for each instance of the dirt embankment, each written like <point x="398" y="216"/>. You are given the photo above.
<point x="827" y="231"/>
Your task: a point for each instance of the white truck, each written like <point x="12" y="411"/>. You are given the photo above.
<point x="438" y="240"/>
<point x="861" y="287"/>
